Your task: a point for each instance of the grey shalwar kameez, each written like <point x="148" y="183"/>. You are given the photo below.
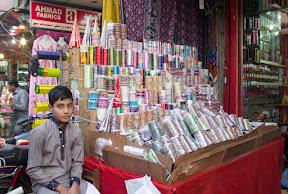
<point x="55" y="157"/>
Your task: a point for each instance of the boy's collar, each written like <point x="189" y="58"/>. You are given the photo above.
<point x="54" y="120"/>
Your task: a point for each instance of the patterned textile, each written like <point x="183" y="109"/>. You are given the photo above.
<point x="168" y="23"/>
<point x="211" y="39"/>
<point x="134" y="18"/>
<point x="181" y="15"/>
<point x="190" y="24"/>
<point x="152" y="20"/>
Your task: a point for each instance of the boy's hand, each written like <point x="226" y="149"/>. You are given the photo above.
<point x="62" y="189"/>
<point x="74" y="189"/>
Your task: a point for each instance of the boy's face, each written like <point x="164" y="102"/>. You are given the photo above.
<point x="62" y="109"/>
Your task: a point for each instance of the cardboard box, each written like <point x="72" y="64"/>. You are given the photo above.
<point x="186" y="165"/>
<point x="74" y="56"/>
<point x="86" y="127"/>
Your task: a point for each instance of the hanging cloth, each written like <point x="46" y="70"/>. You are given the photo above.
<point x="35" y="98"/>
<point x="110" y="11"/>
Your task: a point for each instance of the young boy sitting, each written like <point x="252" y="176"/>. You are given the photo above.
<point x="56" y="152"/>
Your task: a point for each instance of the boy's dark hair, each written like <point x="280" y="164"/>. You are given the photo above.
<point x="61" y="92"/>
<point x="13" y="81"/>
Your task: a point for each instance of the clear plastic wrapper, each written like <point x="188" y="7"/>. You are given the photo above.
<point x="192" y="123"/>
<point x="229" y="121"/>
<point x="203" y="124"/>
<point x="230" y="136"/>
<point x="220" y="121"/>
<point x="136" y="138"/>
<point x="193" y="111"/>
<point x="238" y="132"/>
<point x="145" y="133"/>
<point x="241" y="123"/>
<point x="247" y="125"/>
<point x="192" y="142"/>
<point x="207" y="121"/>
<point x="213" y="122"/>
<point x="171" y="128"/>
<point x="214" y="135"/>
<point x="231" y="131"/>
<point x="222" y="134"/>
<point x="154" y="129"/>
<point x="157" y="146"/>
<point x="233" y="117"/>
<point x="186" y="131"/>
<point x="178" y="125"/>
<point x="148" y="144"/>
<point x="178" y="145"/>
<point x="209" y="112"/>
<point x="169" y="150"/>
<point x="185" y="144"/>
<point x="202" y="138"/>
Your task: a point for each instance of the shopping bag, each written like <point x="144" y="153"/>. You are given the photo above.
<point x="142" y="185"/>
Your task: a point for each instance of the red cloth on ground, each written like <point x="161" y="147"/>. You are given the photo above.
<point x="257" y="172"/>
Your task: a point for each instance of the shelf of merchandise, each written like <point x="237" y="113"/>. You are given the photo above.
<point x="271" y="63"/>
<point x="256" y="98"/>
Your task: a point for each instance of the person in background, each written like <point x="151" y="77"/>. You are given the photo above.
<point x="56" y="150"/>
<point x="20" y="103"/>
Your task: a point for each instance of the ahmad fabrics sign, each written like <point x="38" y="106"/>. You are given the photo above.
<point x="56" y="17"/>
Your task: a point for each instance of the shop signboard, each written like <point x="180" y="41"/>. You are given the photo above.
<point x="56" y="17"/>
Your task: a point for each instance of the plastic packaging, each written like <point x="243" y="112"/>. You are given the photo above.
<point x="135" y="151"/>
<point x="142" y="185"/>
<point x="100" y="143"/>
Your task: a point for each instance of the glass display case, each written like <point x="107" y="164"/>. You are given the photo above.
<point x="22" y="75"/>
<point x="6" y="112"/>
<point x="262" y="64"/>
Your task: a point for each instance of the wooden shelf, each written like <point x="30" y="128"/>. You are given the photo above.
<point x="283" y="85"/>
<point x="271" y="63"/>
<point x="283" y="123"/>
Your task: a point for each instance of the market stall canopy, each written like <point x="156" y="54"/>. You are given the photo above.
<point x="12" y="30"/>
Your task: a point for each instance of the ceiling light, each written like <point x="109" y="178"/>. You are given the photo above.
<point x="21" y="27"/>
<point x="13" y="41"/>
<point x="1" y="56"/>
<point x="271" y="27"/>
<point x="23" y="41"/>
<point x="279" y="17"/>
<point x="14" y="27"/>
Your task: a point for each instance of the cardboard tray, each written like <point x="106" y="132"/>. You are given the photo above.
<point x="186" y="165"/>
